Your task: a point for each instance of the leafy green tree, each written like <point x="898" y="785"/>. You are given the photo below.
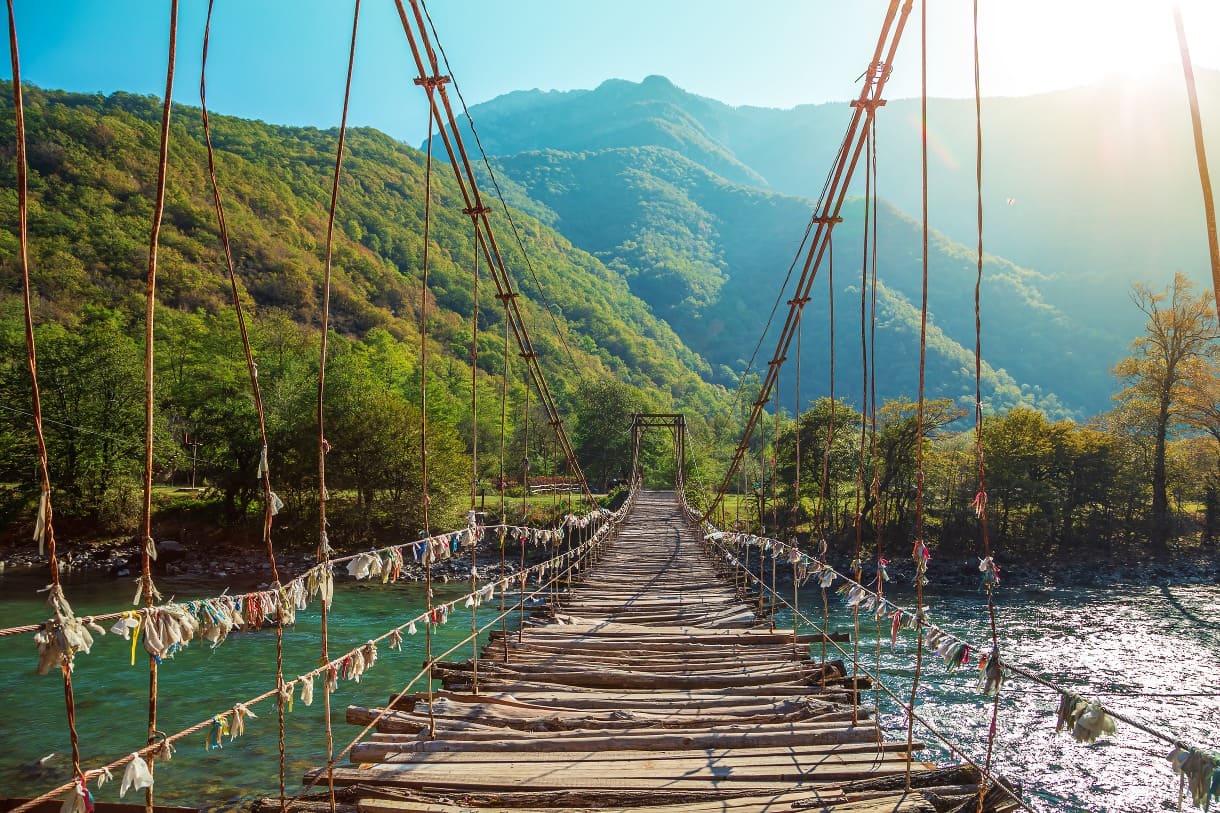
<point x="1178" y="344"/>
<point x="602" y="433"/>
<point x="814" y="426"/>
<point x="898" y="432"/>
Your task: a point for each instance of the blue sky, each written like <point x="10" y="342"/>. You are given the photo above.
<point x="282" y="61"/>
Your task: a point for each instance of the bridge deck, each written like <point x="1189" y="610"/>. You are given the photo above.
<point x="649" y="686"/>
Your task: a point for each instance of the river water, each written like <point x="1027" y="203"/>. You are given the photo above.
<point x="1149" y="651"/>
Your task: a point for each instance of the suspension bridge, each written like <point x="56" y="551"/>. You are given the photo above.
<point x="648" y="681"/>
<point x="645" y="670"/>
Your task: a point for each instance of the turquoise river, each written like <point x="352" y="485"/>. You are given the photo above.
<point x="1150" y="652"/>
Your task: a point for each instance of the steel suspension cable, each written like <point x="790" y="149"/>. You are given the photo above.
<point x="149" y="591"/>
<point x="920" y="552"/>
<point x="451" y="138"/>
<point x="870" y="97"/>
<point x="44" y="530"/>
<point x="324" y="549"/>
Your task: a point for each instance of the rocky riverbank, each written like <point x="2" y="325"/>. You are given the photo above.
<point x="243" y="565"/>
<point x="240" y="566"/>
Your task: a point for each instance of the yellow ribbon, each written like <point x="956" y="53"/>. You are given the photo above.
<point x="135" y="635"/>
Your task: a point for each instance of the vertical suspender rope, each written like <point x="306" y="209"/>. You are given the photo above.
<point x="1196" y="122"/>
<point x="324" y="550"/>
<point x="990" y="571"/>
<point x="502" y="484"/>
<point x="525" y="463"/>
<point x="150" y="299"/>
<point x="774" y="506"/>
<point x="796" y="482"/>
<point x="762" y="493"/>
<point x="875" y="486"/>
<point x="474" y="453"/>
<point x="796" y="485"/>
<point x="429" y="85"/>
<point x="867" y="249"/>
<point x="824" y="542"/>
<point x="920" y="552"/>
<point x="270" y="500"/>
<point x="44" y="530"/>
<point x="525" y="490"/>
<point x="775" y="469"/>
<point x="830" y="431"/>
<point x="474" y="367"/>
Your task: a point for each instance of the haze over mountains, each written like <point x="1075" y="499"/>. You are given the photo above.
<point x="701" y="207"/>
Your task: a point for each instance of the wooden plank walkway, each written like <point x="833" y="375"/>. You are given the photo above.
<point x="650" y="685"/>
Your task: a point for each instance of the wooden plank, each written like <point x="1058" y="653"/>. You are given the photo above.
<point x="647" y="684"/>
<point x="782" y="753"/>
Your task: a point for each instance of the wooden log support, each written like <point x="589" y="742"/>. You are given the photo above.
<point x="647" y="682"/>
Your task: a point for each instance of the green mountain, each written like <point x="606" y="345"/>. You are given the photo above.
<point x="1086" y="190"/>
<point x="92" y="162"/>
<point x="710" y="257"/>
<point x="92" y="166"/>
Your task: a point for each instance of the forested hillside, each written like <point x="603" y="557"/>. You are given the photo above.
<point x="711" y="256"/>
<point x="92" y="165"/>
<point x="1085" y="191"/>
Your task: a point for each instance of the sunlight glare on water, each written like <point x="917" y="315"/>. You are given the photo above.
<point x="1105" y="644"/>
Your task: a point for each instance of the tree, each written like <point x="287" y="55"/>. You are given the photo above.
<point x="898" y="432"/>
<point x="602" y="434"/>
<point x="1179" y="339"/>
<point x="841" y="467"/>
<point x="1201" y="411"/>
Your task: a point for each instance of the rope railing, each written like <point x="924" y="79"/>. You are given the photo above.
<point x="956" y="650"/>
<point x="880" y="684"/>
<point x="222" y="722"/>
<point x="270" y="597"/>
<point x="589" y="547"/>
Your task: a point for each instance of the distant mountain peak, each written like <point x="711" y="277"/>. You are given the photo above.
<point x="655" y="80"/>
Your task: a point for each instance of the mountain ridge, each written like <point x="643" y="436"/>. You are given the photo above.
<point x="1084" y="241"/>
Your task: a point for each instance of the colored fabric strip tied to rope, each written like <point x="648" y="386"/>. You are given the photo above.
<point x="137" y="776"/>
<point x="1087" y="721"/>
<point x="1201" y="773"/>
<point x="79" y="799"/>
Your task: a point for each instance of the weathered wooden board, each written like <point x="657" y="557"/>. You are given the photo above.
<point x="648" y="684"/>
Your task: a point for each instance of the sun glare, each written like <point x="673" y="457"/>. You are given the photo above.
<point x="1041" y="43"/>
